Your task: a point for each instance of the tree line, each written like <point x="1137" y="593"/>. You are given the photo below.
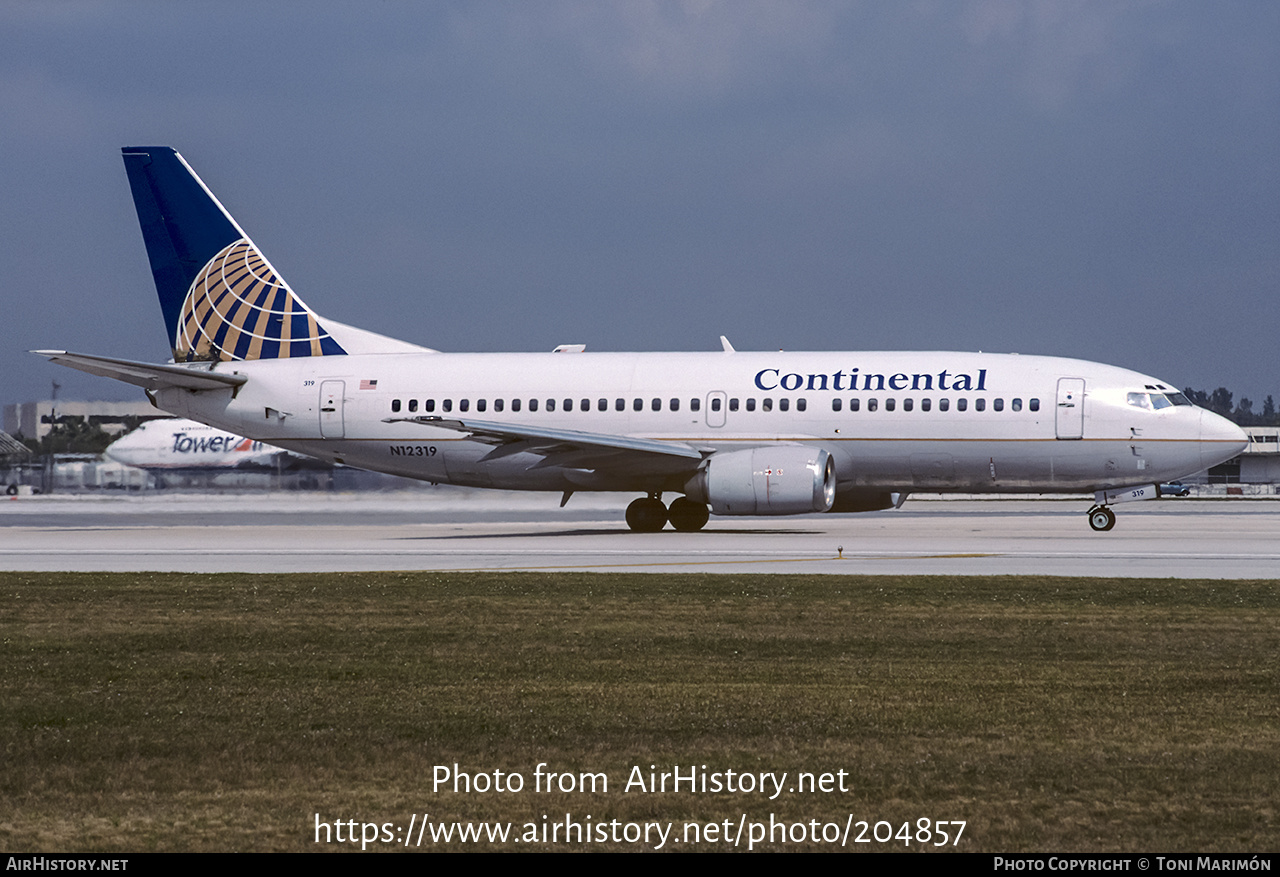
<point x="1241" y="414"/>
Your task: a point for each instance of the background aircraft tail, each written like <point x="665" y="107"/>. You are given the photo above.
<point x="221" y="298"/>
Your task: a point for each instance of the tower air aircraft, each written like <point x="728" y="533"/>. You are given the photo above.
<point x="726" y="432"/>
<point x="167" y="446"/>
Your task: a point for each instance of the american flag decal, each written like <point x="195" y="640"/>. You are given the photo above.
<point x="368" y="385"/>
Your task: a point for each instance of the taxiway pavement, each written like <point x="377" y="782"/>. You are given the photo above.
<point x="453" y="529"/>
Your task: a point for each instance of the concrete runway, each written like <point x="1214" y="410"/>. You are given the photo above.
<point x="454" y="529"/>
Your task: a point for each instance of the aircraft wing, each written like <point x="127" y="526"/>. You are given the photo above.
<point x="145" y="374"/>
<point x="569" y="448"/>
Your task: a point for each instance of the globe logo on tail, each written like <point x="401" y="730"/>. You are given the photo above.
<point x="238" y="308"/>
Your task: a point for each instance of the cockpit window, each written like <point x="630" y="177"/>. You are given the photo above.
<point x="1156" y="401"/>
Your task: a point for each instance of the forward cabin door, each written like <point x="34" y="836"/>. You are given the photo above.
<point x="1070" y="416"/>
<point x="331" y="419"/>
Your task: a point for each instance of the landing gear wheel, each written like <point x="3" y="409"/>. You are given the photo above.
<point x="646" y="515"/>
<point x="1101" y="518"/>
<point x="686" y="515"/>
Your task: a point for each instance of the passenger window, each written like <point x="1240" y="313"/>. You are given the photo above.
<point x="620" y="404"/>
<point x="802" y="404"/>
<point x="962" y="404"/>
<point x="784" y="404"/>
<point x="890" y="404"/>
<point x="533" y="405"/>
<point x="766" y="404"/>
<point x="872" y="404"/>
<point x="515" y="405"/>
<point x="835" y="404"/>
<point x="585" y="405"/>
<point x="447" y="404"/>
<point x="638" y="404"/>
<point x="655" y="404"/>
<point x="481" y="404"/>
<point x="715" y="404"/>
<point x="551" y="404"/>
<point x="925" y="404"/>
<point x="395" y="404"/>
<point x="498" y="404"/>
<point x="675" y="404"/>
<point x="429" y="405"/>
<point x="944" y="404"/>
<point x="413" y="404"/>
<point x="751" y="404"/>
<point x="907" y="404"/>
<point x="464" y="404"/>
<point x="998" y="404"/>
<point x="1035" y="404"/>
<point x="568" y="405"/>
<point x="602" y="404"/>
<point x="695" y="404"/>
<point x="1016" y="405"/>
<point x="853" y="404"/>
<point x="733" y="404"/>
<point x="980" y="404"/>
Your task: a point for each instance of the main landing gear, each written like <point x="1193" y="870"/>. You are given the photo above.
<point x="649" y="515"/>
<point x="1101" y="518"/>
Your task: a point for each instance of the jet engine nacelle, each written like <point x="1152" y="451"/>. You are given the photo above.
<point x="783" y="480"/>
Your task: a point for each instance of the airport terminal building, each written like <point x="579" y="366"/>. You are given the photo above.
<point x="1259" y="464"/>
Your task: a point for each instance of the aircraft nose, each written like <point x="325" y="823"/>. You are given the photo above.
<point x="1220" y="439"/>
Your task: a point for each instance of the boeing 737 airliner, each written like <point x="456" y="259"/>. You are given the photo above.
<point x="733" y="433"/>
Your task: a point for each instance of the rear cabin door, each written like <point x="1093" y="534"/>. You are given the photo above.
<point x="1070" y="416"/>
<point x="331" y="415"/>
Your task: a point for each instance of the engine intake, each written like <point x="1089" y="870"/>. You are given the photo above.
<point x="780" y="480"/>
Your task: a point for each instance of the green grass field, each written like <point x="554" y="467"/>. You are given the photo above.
<point x="191" y="712"/>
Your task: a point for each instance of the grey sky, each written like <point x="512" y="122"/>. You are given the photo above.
<point x="1085" y="179"/>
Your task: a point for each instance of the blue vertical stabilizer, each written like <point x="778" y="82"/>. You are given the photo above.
<point x="221" y="299"/>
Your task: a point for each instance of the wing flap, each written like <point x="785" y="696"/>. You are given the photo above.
<point x="149" y="376"/>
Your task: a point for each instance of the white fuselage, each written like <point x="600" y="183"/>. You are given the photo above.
<point x="923" y="421"/>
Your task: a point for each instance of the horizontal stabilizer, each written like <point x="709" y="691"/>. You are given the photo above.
<point x="145" y="374"/>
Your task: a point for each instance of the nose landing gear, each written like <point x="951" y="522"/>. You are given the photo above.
<point x="1101" y="518"/>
